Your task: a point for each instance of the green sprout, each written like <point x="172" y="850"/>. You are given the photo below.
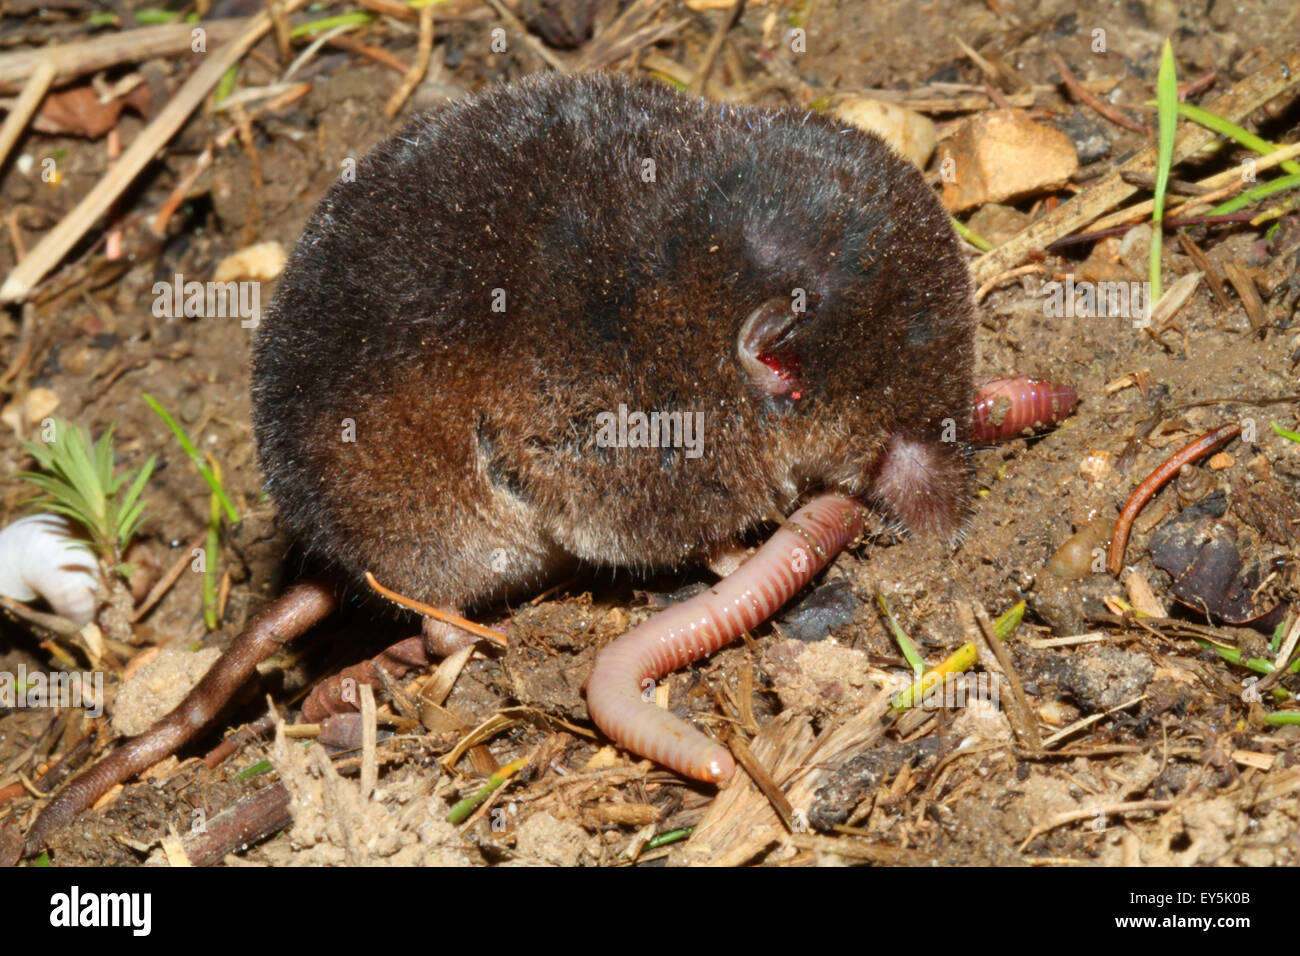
<point x="1223" y="127"/>
<point x="1167" y="112"/>
<point x="219" y="503"/>
<point x="910" y="653"/>
<point x="193" y="454"/>
<point x="77" y="479"/>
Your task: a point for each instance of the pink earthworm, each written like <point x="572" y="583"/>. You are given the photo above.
<point x="1007" y="407"/>
<point x="688" y="631"/>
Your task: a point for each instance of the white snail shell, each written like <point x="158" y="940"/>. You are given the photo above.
<point x="41" y="556"/>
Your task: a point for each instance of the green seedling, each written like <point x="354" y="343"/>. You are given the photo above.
<point x="77" y="479"/>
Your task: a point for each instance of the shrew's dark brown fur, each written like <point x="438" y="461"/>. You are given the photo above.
<point x="428" y="380"/>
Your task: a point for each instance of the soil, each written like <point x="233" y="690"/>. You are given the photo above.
<point x="1175" y="731"/>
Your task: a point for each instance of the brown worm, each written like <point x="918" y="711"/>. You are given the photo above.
<point x="688" y="631"/>
<point x="1007" y="407"/>
<point x="1153" y="483"/>
<point x="303" y="605"/>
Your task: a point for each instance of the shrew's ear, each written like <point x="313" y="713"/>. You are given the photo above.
<point x="770" y="368"/>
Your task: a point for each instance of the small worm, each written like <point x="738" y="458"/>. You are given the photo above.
<point x="1154" y="482"/>
<point x="1007" y="407"/>
<point x="688" y="631"/>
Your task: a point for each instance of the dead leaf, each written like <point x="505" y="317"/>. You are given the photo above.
<point x="79" y="112"/>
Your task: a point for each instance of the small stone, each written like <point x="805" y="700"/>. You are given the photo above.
<point x="997" y="223"/>
<point x="1088" y="136"/>
<point x="261" y="262"/>
<point x="912" y="135"/>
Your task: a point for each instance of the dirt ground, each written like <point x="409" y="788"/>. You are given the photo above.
<point x="1178" y="763"/>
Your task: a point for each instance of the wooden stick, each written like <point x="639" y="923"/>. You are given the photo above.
<point x="1212" y="277"/>
<point x="72" y="60"/>
<point x="280" y="21"/>
<point x="164" y="584"/>
<point x="54" y="245"/>
<point x="419" y="65"/>
<point x="1243" y="98"/>
<point x="437" y="614"/>
<point x="1099" y="106"/>
<point x="25" y="106"/>
<point x="376" y="53"/>
<point x="1019" y="714"/>
<point x="1220" y="186"/>
<point x="696" y="87"/>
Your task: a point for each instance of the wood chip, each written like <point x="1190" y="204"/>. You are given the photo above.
<point x="1244" y="283"/>
<point x="1253" y="758"/>
<point x="1142" y="597"/>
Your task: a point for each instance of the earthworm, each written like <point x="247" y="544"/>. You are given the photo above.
<point x="688" y="631"/>
<point x="1154" y="482"/>
<point x="1007" y="407"/>
<point x="303" y="605"/>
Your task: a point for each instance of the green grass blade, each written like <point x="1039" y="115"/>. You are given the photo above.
<point x="137" y="486"/>
<point x="1227" y="128"/>
<point x="57" y="489"/>
<point x="131" y="508"/>
<point x="974" y="238"/>
<point x="103" y="463"/>
<point x="1286" y="433"/>
<point x="1281" y="184"/>
<point x="81" y="473"/>
<point x="461" y="810"/>
<point x="672" y="836"/>
<point x="231" y="514"/>
<point x="1167" y="111"/>
<point x="1009" y="620"/>
<point x="226" y="85"/>
<point x="213" y="552"/>
<point x="329" y="23"/>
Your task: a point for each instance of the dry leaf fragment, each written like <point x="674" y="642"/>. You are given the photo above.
<point x="79" y="111"/>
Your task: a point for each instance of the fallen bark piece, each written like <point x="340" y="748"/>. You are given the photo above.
<point x="1003" y="155"/>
